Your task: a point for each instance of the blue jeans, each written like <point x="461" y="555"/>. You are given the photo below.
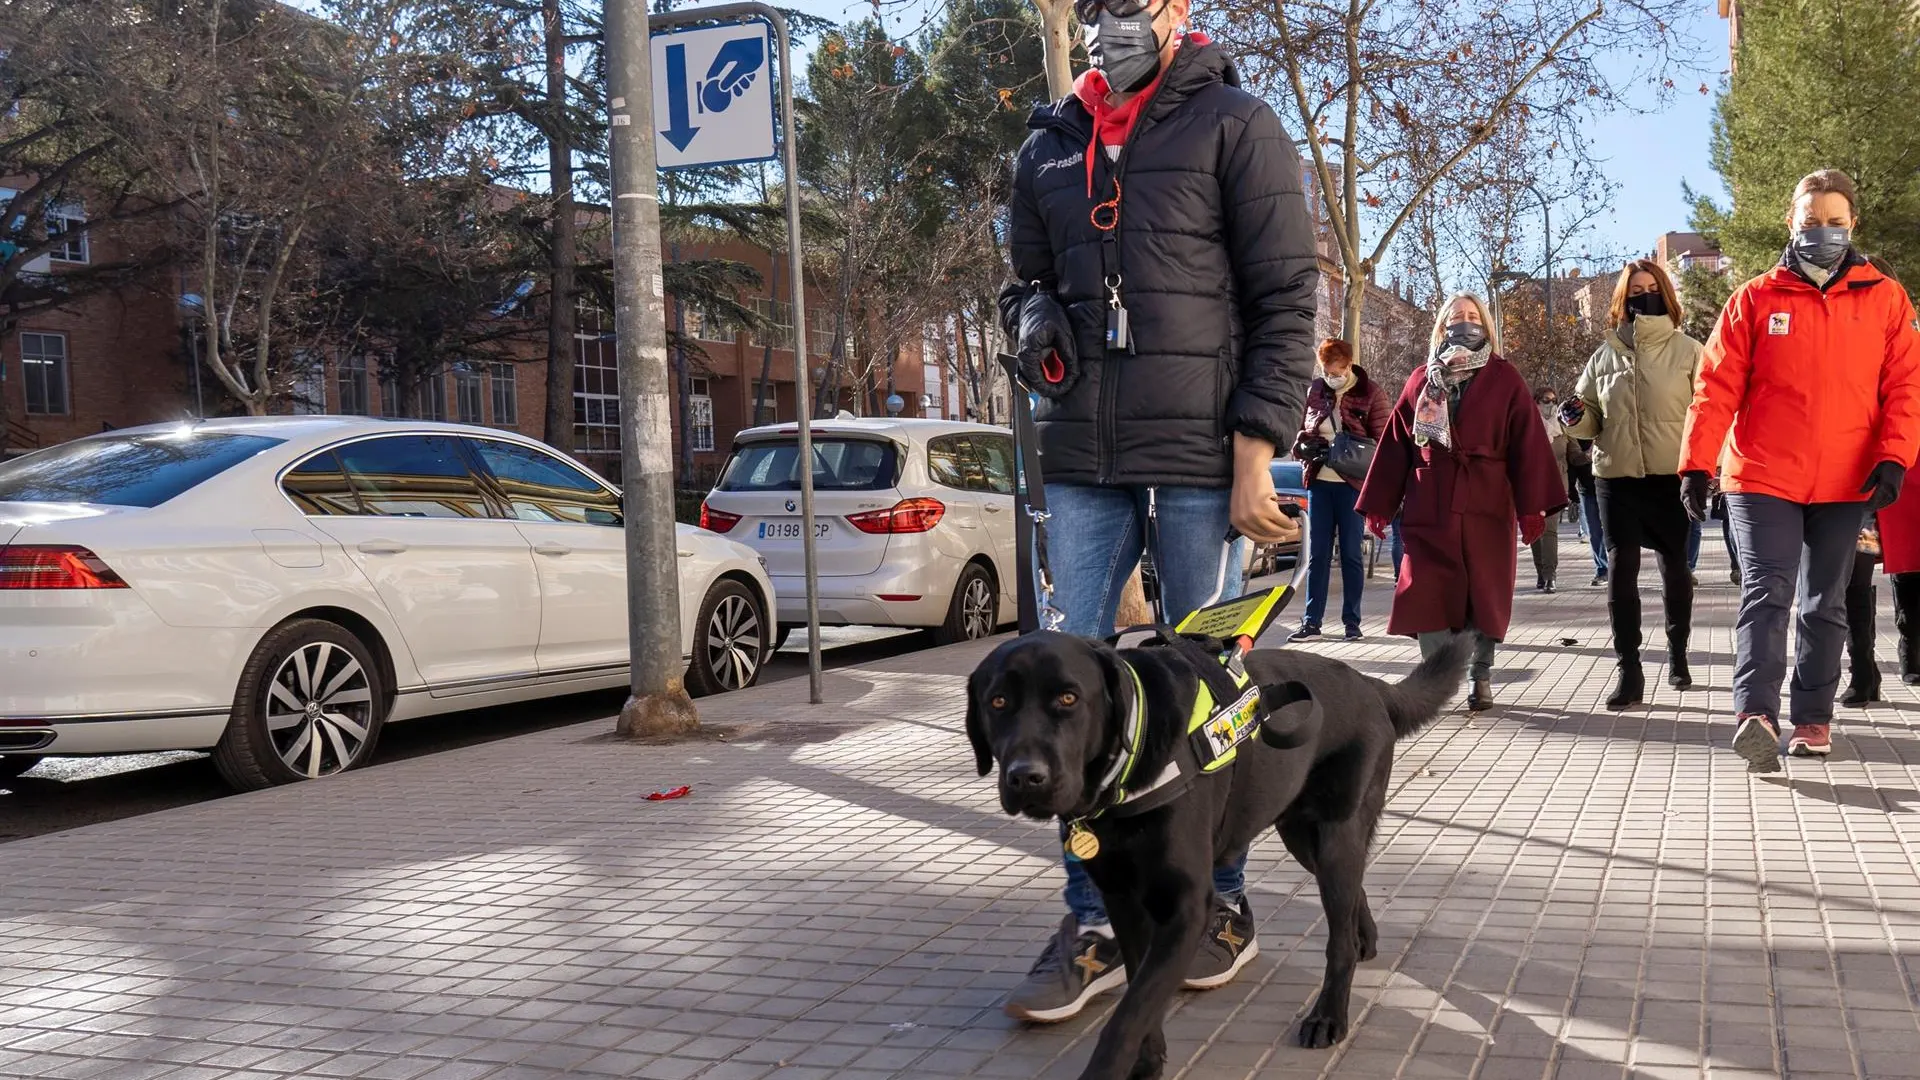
<point x="1094" y="541"/>
<point x="1330" y="510"/>
<point x="1596" y="536"/>
<point x="1399" y="549"/>
<point x="1693" y="546"/>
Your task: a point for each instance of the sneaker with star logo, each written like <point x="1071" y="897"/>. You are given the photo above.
<point x="1228" y="947"/>
<point x="1073" y="969"/>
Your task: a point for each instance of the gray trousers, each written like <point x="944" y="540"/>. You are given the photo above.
<point x="1432" y="640"/>
<point x="1546" y="552"/>
<point x="1785" y="548"/>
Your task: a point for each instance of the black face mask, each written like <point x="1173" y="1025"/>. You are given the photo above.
<point x="1471" y="336"/>
<point x="1823" y="246"/>
<point x="1124" y="49"/>
<point x="1652" y="305"/>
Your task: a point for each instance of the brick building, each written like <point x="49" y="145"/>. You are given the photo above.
<point x="121" y="358"/>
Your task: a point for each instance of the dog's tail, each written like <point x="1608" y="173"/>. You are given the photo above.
<point x="1414" y="701"/>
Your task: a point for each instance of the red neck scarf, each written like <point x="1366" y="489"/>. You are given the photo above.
<point x="1113" y="126"/>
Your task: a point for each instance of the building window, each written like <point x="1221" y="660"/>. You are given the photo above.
<point x="67" y="224"/>
<point x="44" y="356"/>
<point x="596" y="393"/>
<point x="430" y="397"/>
<point x="393" y="404"/>
<point x="307" y="393"/>
<point x="779" y="316"/>
<point x="700" y="414"/>
<point x="467" y="396"/>
<point x="704" y="326"/>
<point x="504" y="380"/>
<point x="352" y="378"/>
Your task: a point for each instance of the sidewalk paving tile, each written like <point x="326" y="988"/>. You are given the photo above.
<point x="1562" y="892"/>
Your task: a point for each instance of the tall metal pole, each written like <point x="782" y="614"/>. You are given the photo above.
<point x="802" y="373"/>
<point x="658" y="702"/>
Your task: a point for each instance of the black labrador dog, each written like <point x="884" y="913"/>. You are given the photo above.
<point x="1057" y="713"/>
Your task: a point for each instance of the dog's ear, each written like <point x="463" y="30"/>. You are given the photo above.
<point x="977" y="731"/>
<point x="1113" y="672"/>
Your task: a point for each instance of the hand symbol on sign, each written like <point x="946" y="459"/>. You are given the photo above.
<point x="732" y="72"/>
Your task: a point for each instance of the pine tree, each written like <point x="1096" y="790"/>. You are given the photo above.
<point x="1820" y="84"/>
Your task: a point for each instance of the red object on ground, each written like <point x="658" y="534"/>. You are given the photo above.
<point x="680" y="792"/>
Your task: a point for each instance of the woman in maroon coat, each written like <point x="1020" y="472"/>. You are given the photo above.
<point x="1466" y="463"/>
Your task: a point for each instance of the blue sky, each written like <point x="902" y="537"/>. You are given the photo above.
<point x="1647" y="154"/>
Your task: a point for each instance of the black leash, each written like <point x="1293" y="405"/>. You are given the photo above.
<point x="1031" y="495"/>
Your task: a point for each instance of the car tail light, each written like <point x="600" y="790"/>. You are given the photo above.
<point x="717" y="520"/>
<point x="43" y="567"/>
<point x="905" y="516"/>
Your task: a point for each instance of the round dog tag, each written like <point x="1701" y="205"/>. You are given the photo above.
<point x="1081" y="843"/>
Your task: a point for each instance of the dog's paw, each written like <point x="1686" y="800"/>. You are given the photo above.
<point x="1317" y="1032"/>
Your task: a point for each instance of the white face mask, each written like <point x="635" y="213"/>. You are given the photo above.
<point x="1336" y="382"/>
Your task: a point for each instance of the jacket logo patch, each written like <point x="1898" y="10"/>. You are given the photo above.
<point x="1058" y="163"/>
<point x="1779" y="323"/>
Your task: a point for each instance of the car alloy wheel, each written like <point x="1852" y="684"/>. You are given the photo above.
<point x="977" y="609"/>
<point x="734" y="642"/>
<point x="319" y="710"/>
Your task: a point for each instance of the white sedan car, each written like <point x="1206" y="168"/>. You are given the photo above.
<point x="276" y="589"/>
<point x="913" y="521"/>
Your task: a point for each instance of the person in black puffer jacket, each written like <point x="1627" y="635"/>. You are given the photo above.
<point x="1162" y="190"/>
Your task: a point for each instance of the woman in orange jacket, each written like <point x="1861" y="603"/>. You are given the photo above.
<point x="1815" y="369"/>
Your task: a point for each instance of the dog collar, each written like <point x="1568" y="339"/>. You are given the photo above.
<point x="1114" y="783"/>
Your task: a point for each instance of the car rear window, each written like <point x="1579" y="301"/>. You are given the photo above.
<point x="142" y="470"/>
<point x="838" y="465"/>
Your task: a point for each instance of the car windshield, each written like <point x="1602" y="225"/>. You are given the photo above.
<point x="142" y="470"/>
<point x="838" y="465"/>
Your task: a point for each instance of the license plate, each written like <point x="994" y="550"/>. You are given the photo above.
<point x="790" y="530"/>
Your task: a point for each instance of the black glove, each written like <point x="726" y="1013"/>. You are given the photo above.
<point x="1694" y="488"/>
<point x="1572" y="410"/>
<point x="1883" y="485"/>
<point x="1311" y="450"/>
<point x="1049" y="360"/>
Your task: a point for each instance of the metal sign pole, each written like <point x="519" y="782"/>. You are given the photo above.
<point x="657" y="703"/>
<point x="796" y="283"/>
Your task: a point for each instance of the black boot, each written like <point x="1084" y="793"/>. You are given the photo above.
<point x="1678" y="675"/>
<point x="1863" y="683"/>
<point x="1906" y="619"/>
<point x="1630" y="688"/>
<point x="1863" y="686"/>
<point x="1481" y="697"/>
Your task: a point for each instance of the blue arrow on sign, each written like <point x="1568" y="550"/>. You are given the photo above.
<point x="680" y="130"/>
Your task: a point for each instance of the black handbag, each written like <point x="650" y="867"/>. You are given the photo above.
<point x="1351" y="456"/>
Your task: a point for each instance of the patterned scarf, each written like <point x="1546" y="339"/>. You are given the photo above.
<point x="1447" y="369"/>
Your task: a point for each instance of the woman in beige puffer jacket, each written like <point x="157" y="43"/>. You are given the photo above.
<point x="1632" y="402"/>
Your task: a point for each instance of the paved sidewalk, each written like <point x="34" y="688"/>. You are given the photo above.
<point x="1561" y="892"/>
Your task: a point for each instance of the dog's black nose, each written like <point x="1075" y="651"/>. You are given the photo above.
<point x="1027" y="776"/>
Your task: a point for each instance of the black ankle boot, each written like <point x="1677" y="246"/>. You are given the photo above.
<point x="1630" y="688"/>
<point x="1480" y="698"/>
<point x="1679" y="676"/>
<point x="1863" y="686"/>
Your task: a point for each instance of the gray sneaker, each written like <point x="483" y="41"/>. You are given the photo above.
<point x="1074" y="969"/>
<point x="1227" y="948"/>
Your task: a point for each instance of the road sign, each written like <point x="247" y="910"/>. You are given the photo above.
<point x="713" y="95"/>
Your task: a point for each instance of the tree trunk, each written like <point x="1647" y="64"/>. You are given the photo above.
<point x="764" y="414"/>
<point x="1352" y="303"/>
<point x="1133" y="604"/>
<point x="682" y="380"/>
<point x="558" y="429"/>
<point x="1056" y="20"/>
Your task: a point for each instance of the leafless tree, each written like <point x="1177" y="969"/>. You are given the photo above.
<point x="1390" y="97"/>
